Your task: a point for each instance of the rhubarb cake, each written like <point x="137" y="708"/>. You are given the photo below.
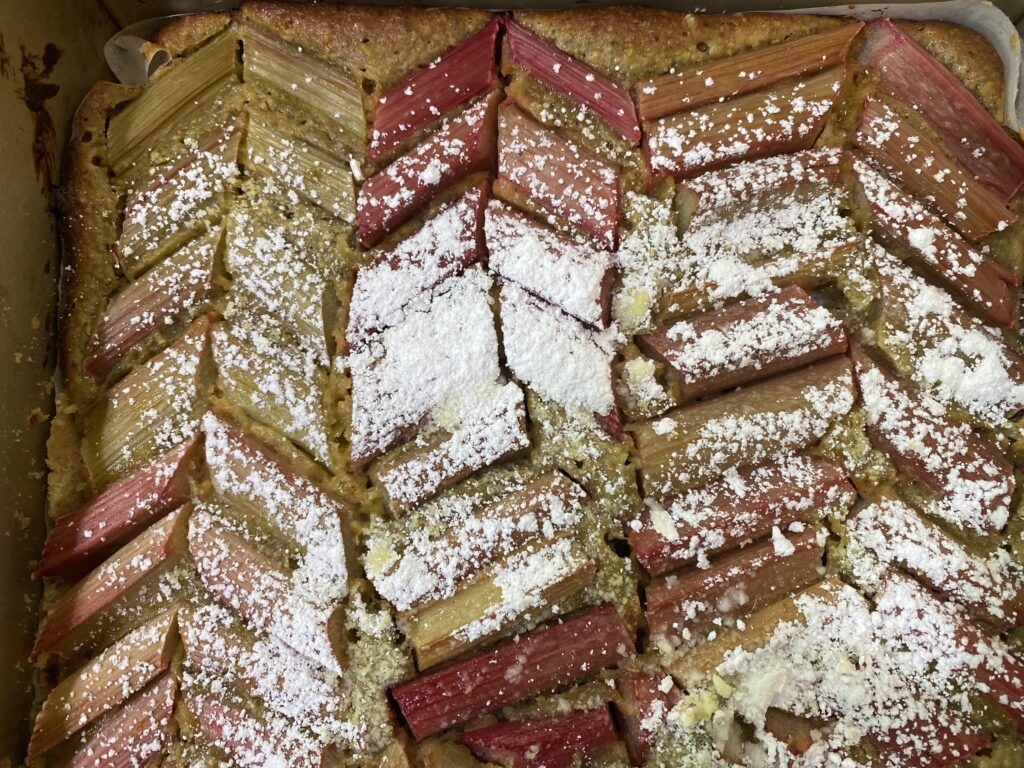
<point x="606" y="387"/>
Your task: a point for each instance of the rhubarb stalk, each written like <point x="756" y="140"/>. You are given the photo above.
<point x="79" y="540"/>
<point x="540" y="170"/>
<point x="462" y="145"/>
<point x="564" y="74"/>
<point x="925" y="169"/>
<point x="722" y="79"/>
<point x="533" y="663"/>
<point x="550" y="742"/>
<point x="461" y="74"/>
<point x="746" y="341"/>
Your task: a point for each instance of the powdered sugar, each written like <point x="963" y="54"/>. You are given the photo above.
<point x="558" y="357"/>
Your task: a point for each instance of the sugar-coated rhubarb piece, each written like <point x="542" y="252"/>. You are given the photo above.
<point x="743" y="505"/>
<point x="178" y="203"/>
<point x="808" y="268"/>
<point x="283" y="494"/>
<point x="154" y="408"/>
<point x="255" y="739"/>
<point x="735" y="187"/>
<point x="931" y="743"/>
<point x="136" y="735"/>
<point x="540" y="170"/>
<point x="539" y="661"/>
<point x="461" y="145"/>
<point x="907" y="227"/>
<point x="448" y="242"/>
<point x="124" y="572"/>
<point x="784" y="118"/>
<point x="548" y="742"/>
<point x="81" y="539"/>
<point x="445" y="346"/>
<point x="219" y="648"/>
<point x="526" y="584"/>
<point x="103" y="683"/>
<point x="281" y="602"/>
<point x="943" y="349"/>
<point x="966" y="128"/>
<point x="323" y="89"/>
<point x="280" y="287"/>
<point x="972" y="481"/>
<point x="153" y="309"/>
<point x="691" y="602"/>
<point x="576" y="278"/>
<point x="433" y="563"/>
<point x="771" y="221"/>
<point x="465" y="71"/>
<point x="721" y="79"/>
<point x="572" y="78"/>
<point x="697" y="443"/>
<point x="745" y="341"/>
<point x="558" y="357"/>
<point x="486" y="434"/>
<point x="936" y="633"/>
<point x="694" y="666"/>
<point x="262" y="385"/>
<point x="294" y="165"/>
<point x="169" y="102"/>
<point x="888" y="533"/>
<point x="646" y="700"/>
<point x="925" y="169"/>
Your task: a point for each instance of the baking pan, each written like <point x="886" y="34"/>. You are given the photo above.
<point x="51" y="52"/>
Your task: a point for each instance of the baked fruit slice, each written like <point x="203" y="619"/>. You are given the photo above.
<point x="550" y="389"/>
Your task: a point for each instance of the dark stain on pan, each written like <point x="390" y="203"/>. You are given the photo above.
<point x="6" y="70"/>
<point x="35" y="91"/>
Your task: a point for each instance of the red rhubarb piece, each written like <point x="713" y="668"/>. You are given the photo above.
<point x="784" y="118"/>
<point x="745" y="505"/>
<point x="906" y="226"/>
<point x="691" y="602"/>
<point x="989" y="585"/>
<point x="548" y="742"/>
<point x="536" y="662"/>
<point x="924" y="168"/>
<point x="538" y="169"/>
<point x="974" y="482"/>
<point x="746" y="341"/>
<point x="574" y="277"/>
<point x="911" y="75"/>
<point x="936" y="632"/>
<point x="715" y="81"/>
<point x="122" y="573"/>
<point x="136" y="734"/>
<point x="461" y="146"/>
<point x="646" y="700"/>
<point x="155" y="306"/>
<point x="768" y="178"/>
<point x="931" y="743"/>
<point x="448" y="242"/>
<point x="80" y="540"/>
<point x="465" y="71"/>
<point x="571" y="77"/>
